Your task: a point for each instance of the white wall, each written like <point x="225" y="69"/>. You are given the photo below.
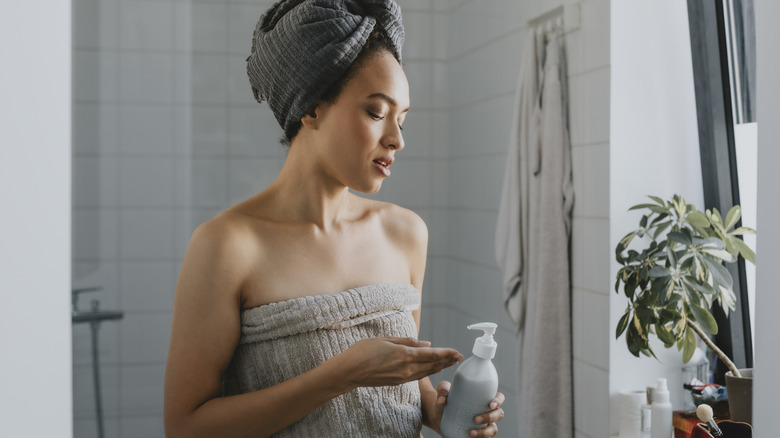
<point x="35" y="370"/>
<point x="654" y="151"/>
<point x="767" y="380"/>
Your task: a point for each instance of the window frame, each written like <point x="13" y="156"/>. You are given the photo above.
<point x="715" y="117"/>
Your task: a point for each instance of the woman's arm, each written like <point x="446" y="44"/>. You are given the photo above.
<point x="205" y="333"/>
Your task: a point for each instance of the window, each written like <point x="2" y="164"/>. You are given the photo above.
<point x="723" y="52"/>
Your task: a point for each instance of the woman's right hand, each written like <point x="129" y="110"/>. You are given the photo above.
<point x="394" y="360"/>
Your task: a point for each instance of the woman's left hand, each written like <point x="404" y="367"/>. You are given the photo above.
<point x="490" y="418"/>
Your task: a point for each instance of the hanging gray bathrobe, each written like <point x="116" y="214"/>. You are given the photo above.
<point x="532" y="239"/>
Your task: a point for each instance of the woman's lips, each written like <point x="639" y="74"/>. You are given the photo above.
<point x="383" y="167"/>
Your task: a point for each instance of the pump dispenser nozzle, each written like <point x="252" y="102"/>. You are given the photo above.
<point x="485" y="346"/>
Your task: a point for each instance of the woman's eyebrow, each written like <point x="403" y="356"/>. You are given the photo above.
<point x="388" y="99"/>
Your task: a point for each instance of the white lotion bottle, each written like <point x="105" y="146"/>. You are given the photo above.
<point x="661" y="415"/>
<point x="474" y="386"/>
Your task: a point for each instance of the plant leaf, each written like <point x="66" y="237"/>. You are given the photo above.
<point x="679" y="237"/>
<point x="745" y="251"/>
<point x="698" y="220"/>
<point x="661" y="228"/>
<point x="659" y="271"/>
<point x="639" y="206"/>
<point x="664" y="335"/>
<point x="658" y="200"/>
<point x="704" y="319"/>
<point x="721" y="254"/>
<point x="623" y="323"/>
<point x="732" y="217"/>
<point x="689" y="345"/>
<point x="719" y="273"/>
<point x="742" y="230"/>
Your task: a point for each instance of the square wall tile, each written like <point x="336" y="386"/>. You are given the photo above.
<point x="591" y="400"/>
<point x="595" y="29"/>
<point x="438" y="233"/>
<point x="148" y="426"/>
<point x="242" y="19"/>
<point x="146" y="233"/>
<point x="253" y="132"/>
<point x="477" y="181"/>
<point x="250" y="176"/>
<point x="144" y="339"/>
<point x="417" y="134"/>
<point x="95" y="128"/>
<point x="146" y="129"/>
<point x="209" y="83"/>
<point x="88" y="428"/>
<point x="95" y="181"/>
<point x="147" y="286"/>
<point x="84" y="391"/>
<point x="596" y="99"/>
<point x="146" y="181"/>
<point x="591" y="255"/>
<point x="590" y="171"/>
<point x="209" y="27"/>
<point x="146" y="77"/>
<point x="414" y="5"/>
<point x="409" y="185"/>
<point x="95" y="234"/>
<point x="96" y="273"/>
<point x="441" y="135"/>
<point x="95" y="23"/>
<point x="142" y="390"/>
<point x="209" y="130"/>
<point x="596" y="332"/>
<point x="419" y="74"/>
<point x="209" y="183"/>
<point x="239" y="89"/>
<point x="418" y="43"/>
<point x="146" y="25"/>
<point x="108" y="339"/>
<point x="95" y="75"/>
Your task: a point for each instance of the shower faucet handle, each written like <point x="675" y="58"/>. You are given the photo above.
<point x="74" y="295"/>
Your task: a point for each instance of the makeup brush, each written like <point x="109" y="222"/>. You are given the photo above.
<point x="704" y="412"/>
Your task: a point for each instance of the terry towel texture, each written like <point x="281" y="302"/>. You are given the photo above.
<point x="282" y="340"/>
<point x="301" y="47"/>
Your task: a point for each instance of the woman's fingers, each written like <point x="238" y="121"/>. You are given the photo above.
<point x="410" y="342"/>
<point x="490" y="417"/>
<point x="442" y="392"/>
<point x="490" y="430"/>
<point x="498" y="401"/>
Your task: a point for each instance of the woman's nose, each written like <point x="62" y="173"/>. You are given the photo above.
<point x="396" y="140"/>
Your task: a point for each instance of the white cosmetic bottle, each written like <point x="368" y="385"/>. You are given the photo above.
<point x="473" y="387"/>
<point x="661" y="416"/>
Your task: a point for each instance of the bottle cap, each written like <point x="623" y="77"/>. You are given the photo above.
<point x="661" y="392"/>
<point x="485" y="346"/>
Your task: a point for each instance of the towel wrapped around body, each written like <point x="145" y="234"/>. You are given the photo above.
<point x="282" y="340"/>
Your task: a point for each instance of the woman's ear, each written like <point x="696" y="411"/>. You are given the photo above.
<point x="312" y="117"/>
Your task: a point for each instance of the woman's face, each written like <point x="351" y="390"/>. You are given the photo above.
<point x="362" y="127"/>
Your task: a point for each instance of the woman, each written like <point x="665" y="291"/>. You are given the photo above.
<point x="297" y="310"/>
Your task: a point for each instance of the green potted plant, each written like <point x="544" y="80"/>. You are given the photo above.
<point x="672" y="282"/>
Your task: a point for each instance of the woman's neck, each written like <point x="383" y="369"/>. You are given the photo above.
<point x="304" y="193"/>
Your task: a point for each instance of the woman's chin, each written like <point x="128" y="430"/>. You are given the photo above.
<point x="368" y="189"/>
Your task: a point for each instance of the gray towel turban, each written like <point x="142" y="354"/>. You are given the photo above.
<point x="302" y="47"/>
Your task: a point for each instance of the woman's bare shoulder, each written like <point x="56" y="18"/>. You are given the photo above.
<point x="402" y="225"/>
<point x="227" y="240"/>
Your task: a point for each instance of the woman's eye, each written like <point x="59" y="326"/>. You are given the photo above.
<point x="375" y="116"/>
